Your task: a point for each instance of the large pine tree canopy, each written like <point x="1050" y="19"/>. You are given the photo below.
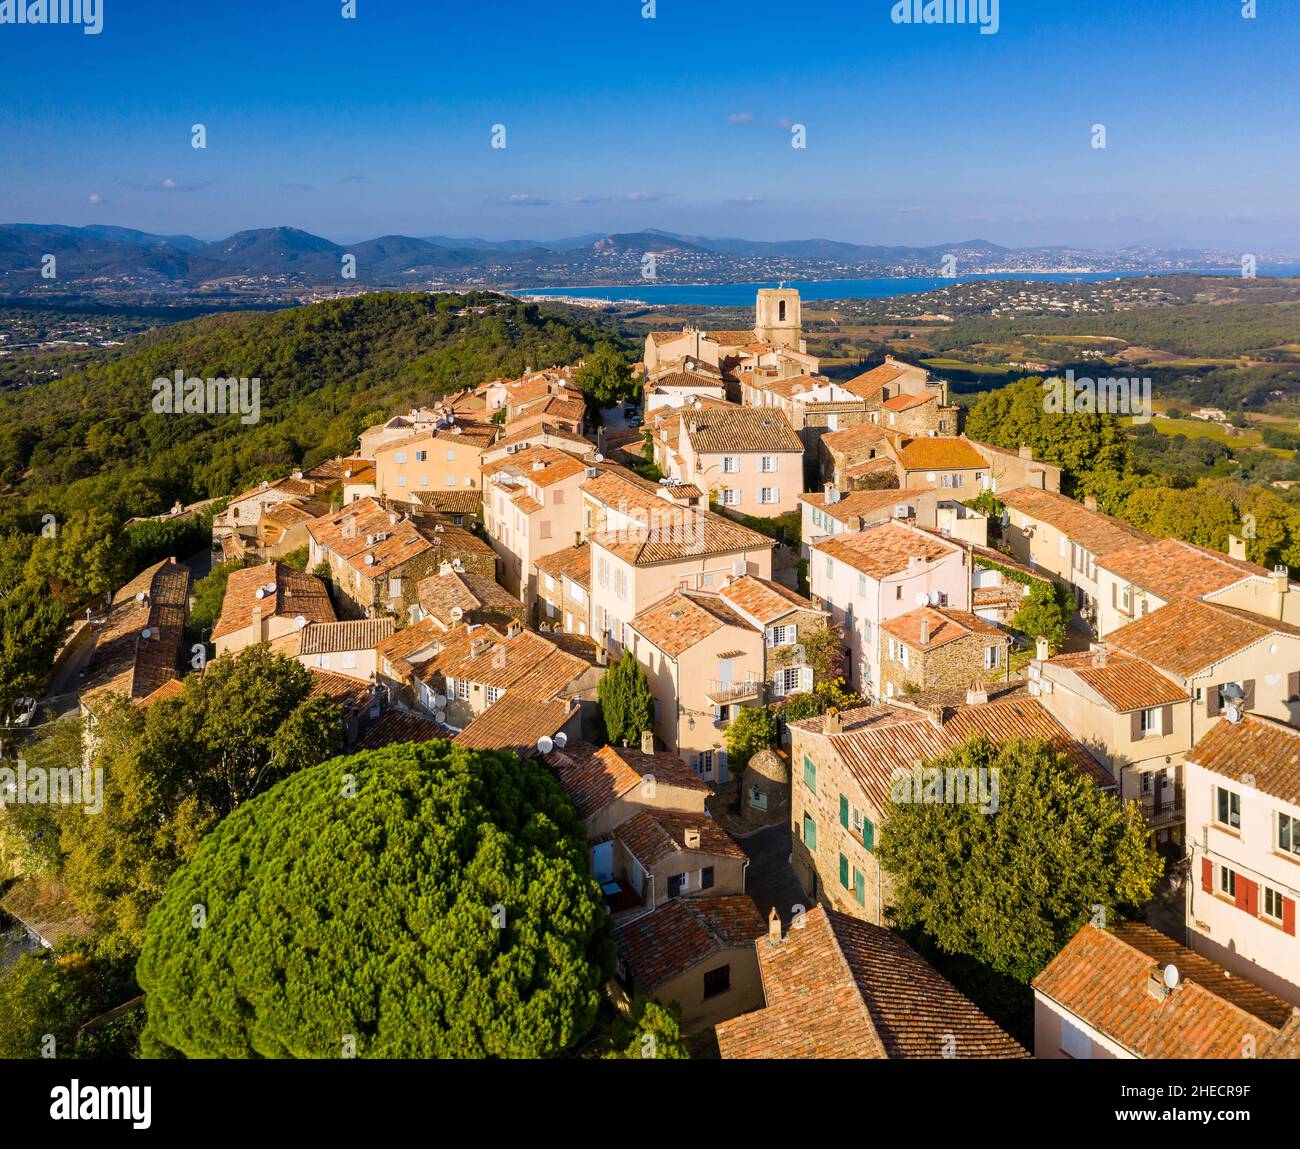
<point x="416" y="901"/>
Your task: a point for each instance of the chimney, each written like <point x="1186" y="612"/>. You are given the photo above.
<point x="937" y="716"/>
<point x="259" y="624"/>
<point x="1043" y="652"/>
<point x="539" y="465"/>
<point x="773" y="927"/>
<point x="602" y="656"/>
<point x="925" y="630"/>
<point x="977" y="695"/>
<point x="1090" y="502"/>
<point x="832" y="723"/>
<point x="647" y="742"/>
<point x="1236" y="548"/>
<point x="444" y="568"/>
<point x="513" y="627"/>
<point x="577" y="538"/>
<point x="691" y="838"/>
<point x="1027" y="452"/>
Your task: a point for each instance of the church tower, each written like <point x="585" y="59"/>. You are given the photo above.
<point x="777" y="319"/>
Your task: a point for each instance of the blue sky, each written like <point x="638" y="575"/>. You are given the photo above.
<point x="353" y="128"/>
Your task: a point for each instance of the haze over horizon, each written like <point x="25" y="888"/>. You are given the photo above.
<point x="356" y="128"/>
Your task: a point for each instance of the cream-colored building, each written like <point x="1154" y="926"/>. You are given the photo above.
<point x="267" y="602"/>
<point x="751" y="461"/>
<point x="445" y="456"/>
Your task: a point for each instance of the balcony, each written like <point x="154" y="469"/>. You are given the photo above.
<point x="1161" y="814"/>
<point x="725" y="693"/>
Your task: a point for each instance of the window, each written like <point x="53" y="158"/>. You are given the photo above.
<point x="809" y="832"/>
<point x="451" y="479"/>
<point x="781" y="636"/>
<point x="557" y="498"/>
<point x="1126" y="600"/>
<point x="844" y="871"/>
<point x="462" y="688"/>
<point x="992" y="657"/>
<point x="677" y="883"/>
<point x="862" y="584"/>
<point x="704" y="763"/>
<point x="730" y="497"/>
<point x="394" y="588"/>
<point x="789" y="680"/>
<point x="544" y="531"/>
<point x="550" y="582"/>
<point x="810" y="773"/>
<point x="717" y="981"/>
<point x="1146" y="782"/>
<point x="401" y="480"/>
<point x="1228" y="882"/>
<point x="401" y="456"/>
<point x="830" y="567"/>
<point x="1150" y="722"/>
<point x="1272" y="903"/>
<point x="898" y="592"/>
<point x="1074" y="1042"/>
<point x="859" y="886"/>
<point x="493" y="694"/>
<point x="349" y="660"/>
<point x="769" y="495"/>
<point x="451" y="454"/>
<point x="1288" y="834"/>
<point x="730" y="464"/>
<point x="620" y="583"/>
<point x="844" y="811"/>
<point x="767" y="463"/>
<point x="706" y="878"/>
<point x="1228" y="808"/>
<point x="421" y="456"/>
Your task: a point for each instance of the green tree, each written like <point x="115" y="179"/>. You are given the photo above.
<point x="818" y="700"/>
<point x="31" y="625"/>
<point x="1009" y="881"/>
<point x="210" y="593"/>
<point x="1044" y="613"/>
<point x="423" y="901"/>
<point x="652" y="1031"/>
<point x="752" y="730"/>
<point x="40" y="996"/>
<point x="625" y="701"/>
<point x="605" y="376"/>
<point x="296" y="558"/>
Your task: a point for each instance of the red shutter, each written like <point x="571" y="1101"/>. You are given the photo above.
<point x="1292" y="685"/>
<point x="1207" y="875"/>
<point x="1243" y="892"/>
<point x="1252" y="898"/>
<point x="1288" y="915"/>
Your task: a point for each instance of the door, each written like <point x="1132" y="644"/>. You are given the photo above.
<point x="602" y="861"/>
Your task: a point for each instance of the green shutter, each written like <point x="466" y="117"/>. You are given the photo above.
<point x="860" y="887"/>
<point x="868" y="833"/>
<point x="809" y="833"/>
<point x="844" y="812"/>
<point x="809" y="773"/>
<point x="844" y="871"/>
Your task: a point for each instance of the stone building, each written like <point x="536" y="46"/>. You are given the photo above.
<point x="934" y="649"/>
<point x="765" y="789"/>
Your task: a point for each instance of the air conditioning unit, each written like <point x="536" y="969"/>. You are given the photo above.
<point x="739" y="568"/>
<point x="902" y="511"/>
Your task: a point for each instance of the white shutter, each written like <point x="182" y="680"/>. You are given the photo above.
<point x="805" y="678"/>
<point x="776" y="494"/>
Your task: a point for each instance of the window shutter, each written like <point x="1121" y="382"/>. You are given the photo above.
<point x="806" y="677"/>
<point x="1293" y="685"/>
<point x="1252" y="898"/>
<point x="1288" y="915"/>
<point x="1212" y="700"/>
<point x="1243" y="892"/>
<point x="1114" y="595"/>
<point x="1249" y="687"/>
<point x="868" y="833"/>
<point x="844" y="871"/>
<point x="776" y="494"/>
<point x="1207" y="875"/>
<point x="1135" y="729"/>
<point x="844" y="812"/>
<point x="1166" y="719"/>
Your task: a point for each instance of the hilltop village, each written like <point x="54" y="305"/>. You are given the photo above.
<point x="752" y="535"/>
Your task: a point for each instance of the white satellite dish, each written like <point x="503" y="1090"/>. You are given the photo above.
<point x="439" y="701"/>
<point x="1171" y="976"/>
<point x="261" y="593"/>
<point x="146" y="633"/>
<point x="922" y="599"/>
<point x="560" y="739"/>
<point x="270" y="588"/>
<point x="599" y="457"/>
<point x="299" y="622"/>
<point x="545" y="744"/>
<point x="140" y="597"/>
<point x="1232" y="714"/>
<point x="456" y="614"/>
<point x="934" y="598"/>
<point x="370" y="560"/>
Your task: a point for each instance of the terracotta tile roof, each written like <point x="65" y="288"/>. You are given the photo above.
<point x="852" y="505"/>
<point x="400" y="726"/>
<point x="295" y="594"/>
<point x="1124" y="683"/>
<point x="169" y="689"/>
<point x="658" y="337"/>
<point x="556" y="465"/>
<point x="740" y="429"/>
<point x="552" y="407"/>
<point x="412" y="645"/>
<point x="1098" y="533"/>
<point x="594" y="777"/>
<point x="682" y="933"/>
<point x="884" y="549"/>
<point x="1188" y="635"/>
<point x="792" y="385"/>
<point x="288" y="514"/>
<point x="940" y="453"/>
<point x="697" y="366"/>
<point x="736" y="338"/>
<point x="857" y="438"/>
<point x="526" y="666"/>
<point x="763" y="601"/>
<point x="515" y="723"/>
<point x="333" y="637"/>
<point x="684" y="532"/>
<point x="843" y="988"/>
<point x="441" y="594"/>
<point x="355" y="534"/>
<point x="574" y="442"/>
<point x="907" y="402"/>
<point x="570" y="562"/>
<point x="945" y="626"/>
<point x="1256" y="745"/>
<point x="870" y="383"/>
<point x="878" y="740"/>
<point x="460" y="502"/>
<point x="652" y="835"/>
<point x="124" y="660"/>
<point x="686" y="380"/>
<point x="358" y="472"/>
<point x="1171" y="568"/>
<point x="1103" y="978"/>
<point x="678" y="622"/>
<point x="352" y="694"/>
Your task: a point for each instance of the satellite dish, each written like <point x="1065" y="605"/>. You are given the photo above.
<point x="934" y="598"/>
<point x="1232" y="692"/>
<point x="922" y="599"/>
<point x="261" y="593"/>
<point x="439" y="701"/>
<point x="599" y="457"/>
<point x="146" y="633"/>
<point x="1232" y="714"/>
<point x="370" y="560"/>
<point x="140" y="597"/>
<point x="560" y="739"/>
<point x="270" y="588"/>
<point x="545" y="744"/>
<point x="1171" y="976"/>
<point x="456" y="614"/>
<point x="299" y="622"/>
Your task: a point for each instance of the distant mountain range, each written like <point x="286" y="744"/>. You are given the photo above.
<point x="281" y="261"/>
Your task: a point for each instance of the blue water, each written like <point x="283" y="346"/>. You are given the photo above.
<point x="742" y="294"/>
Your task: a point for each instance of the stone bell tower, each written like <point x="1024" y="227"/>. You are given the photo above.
<point x="777" y="319"/>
